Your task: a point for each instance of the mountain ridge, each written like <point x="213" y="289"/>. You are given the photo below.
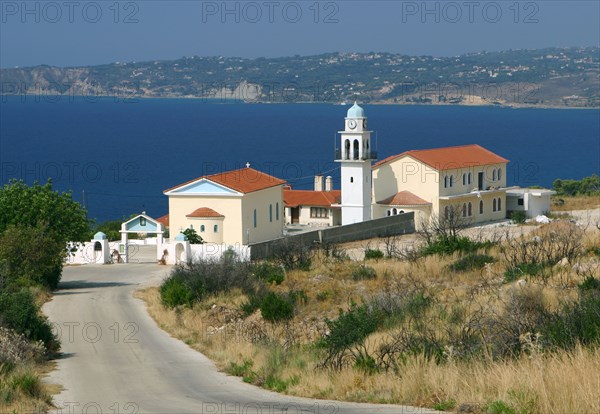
<point x="549" y="77"/>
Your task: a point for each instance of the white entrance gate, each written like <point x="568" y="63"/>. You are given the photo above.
<point x="140" y="224"/>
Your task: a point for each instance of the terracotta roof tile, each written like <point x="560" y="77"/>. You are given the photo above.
<point x="245" y="180"/>
<point x="404" y="198"/>
<point x="295" y="198"/>
<point x="449" y="158"/>
<point x="164" y="220"/>
<point x="204" y="212"/>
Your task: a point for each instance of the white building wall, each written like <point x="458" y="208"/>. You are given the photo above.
<point x="356" y="192"/>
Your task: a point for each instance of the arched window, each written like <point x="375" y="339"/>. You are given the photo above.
<point x="451" y="181"/>
<point x="277" y="211"/>
<point x="465" y="179"/>
<point x="394" y="212"/>
<point x="481" y="207"/>
<point x="470" y="178"/>
<point x="446" y="212"/>
<point x="401" y="212"/>
<point x="351" y="179"/>
<point x="464" y="210"/>
<point x="192" y="226"/>
<point x="446" y="181"/>
<point x="494" y="205"/>
<point x="216" y="228"/>
<point x="389" y="213"/>
<point x="271" y="213"/>
<point x="494" y="175"/>
<point x="347" y="146"/>
<point x="499" y="174"/>
<point x="499" y="204"/>
<point x="470" y="209"/>
<point x="255" y="218"/>
<point x="356" y="150"/>
<point x="202" y="228"/>
<point x="367" y="150"/>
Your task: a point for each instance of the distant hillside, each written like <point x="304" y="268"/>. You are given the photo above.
<point x="544" y="77"/>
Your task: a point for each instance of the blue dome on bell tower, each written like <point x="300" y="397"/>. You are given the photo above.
<point x="356" y="112"/>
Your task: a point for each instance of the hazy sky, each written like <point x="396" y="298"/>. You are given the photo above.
<point x="74" y="32"/>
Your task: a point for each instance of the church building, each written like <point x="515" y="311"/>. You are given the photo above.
<point x="235" y="207"/>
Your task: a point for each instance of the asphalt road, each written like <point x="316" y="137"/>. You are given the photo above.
<point x="117" y="360"/>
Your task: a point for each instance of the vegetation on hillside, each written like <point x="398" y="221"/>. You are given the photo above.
<point x="36" y="223"/>
<point x="504" y="325"/>
<point x="553" y="76"/>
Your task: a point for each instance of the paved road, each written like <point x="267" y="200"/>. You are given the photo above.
<point x="117" y="360"/>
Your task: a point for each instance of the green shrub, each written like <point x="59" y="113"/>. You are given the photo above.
<point x="276" y="308"/>
<point x="590" y="283"/>
<point x="208" y="277"/>
<point x="526" y="269"/>
<point x="27" y="383"/>
<point x="574" y="323"/>
<point x="586" y="186"/>
<point x="192" y="236"/>
<point x="500" y="407"/>
<point x="364" y="272"/>
<point x="449" y="245"/>
<point x="269" y="272"/>
<point x="375" y="254"/>
<point x="471" y="262"/>
<point x="445" y="405"/>
<point x="518" y="217"/>
<point x="19" y="311"/>
<point x="174" y="292"/>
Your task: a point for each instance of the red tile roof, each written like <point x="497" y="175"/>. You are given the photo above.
<point x="204" y="212"/>
<point x="450" y="158"/>
<point x="404" y="198"/>
<point x="295" y="198"/>
<point x="164" y="220"/>
<point x="245" y="180"/>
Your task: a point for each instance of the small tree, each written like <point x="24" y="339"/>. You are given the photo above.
<point x="193" y="237"/>
<point x="447" y="226"/>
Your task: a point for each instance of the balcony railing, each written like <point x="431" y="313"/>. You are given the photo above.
<point x="371" y="155"/>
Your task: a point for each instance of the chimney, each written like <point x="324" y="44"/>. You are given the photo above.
<point x="318" y="183"/>
<point x="329" y="183"/>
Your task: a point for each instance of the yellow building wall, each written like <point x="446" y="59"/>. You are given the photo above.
<point x="265" y="228"/>
<point x="230" y="207"/>
<point x="408" y="174"/>
<point x="209" y="235"/>
<point x="405" y="174"/>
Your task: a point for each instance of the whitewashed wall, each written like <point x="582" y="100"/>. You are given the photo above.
<point x="196" y="252"/>
<point x="84" y="253"/>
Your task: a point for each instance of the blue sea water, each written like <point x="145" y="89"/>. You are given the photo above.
<point x="123" y="154"/>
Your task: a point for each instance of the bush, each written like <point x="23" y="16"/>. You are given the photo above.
<point x="518" y="217"/>
<point x="174" y="292"/>
<point x="590" y="283"/>
<point x="276" y="308"/>
<point x="19" y="312"/>
<point x="525" y="269"/>
<point x="29" y="257"/>
<point x="16" y="349"/>
<point x="364" y="272"/>
<point x="193" y="237"/>
<point x="294" y="254"/>
<point x="197" y="280"/>
<point x="586" y="186"/>
<point x="471" y="262"/>
<point x="269" y="272"/>
<point x="449" y="245"/>
<point x="375" y="254"/>
<point x="575" y="323"/>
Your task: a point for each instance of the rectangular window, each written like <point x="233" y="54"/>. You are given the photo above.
<point x="520" y="202"/>
<point x="318" y="212"/>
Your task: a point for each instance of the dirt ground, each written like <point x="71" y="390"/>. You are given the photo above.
<point x="587" y="219"/>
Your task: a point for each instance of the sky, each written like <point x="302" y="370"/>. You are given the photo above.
<point x="80" y="32"/>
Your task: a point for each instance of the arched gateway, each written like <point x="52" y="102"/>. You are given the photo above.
<point x="140" y="224"/>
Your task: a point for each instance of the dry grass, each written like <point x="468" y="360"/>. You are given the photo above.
<point x="286" y="360"/>
<point x="575" y="203"/>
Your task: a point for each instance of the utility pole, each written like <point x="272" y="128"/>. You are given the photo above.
<point x="83" y="196"/>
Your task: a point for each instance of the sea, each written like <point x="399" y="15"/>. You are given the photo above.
<point x="117" y="155"/>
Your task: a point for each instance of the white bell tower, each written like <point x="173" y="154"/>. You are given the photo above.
<point x="356" y="153"/>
